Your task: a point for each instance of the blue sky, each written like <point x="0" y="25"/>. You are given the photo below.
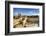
<point x="25" y="11"/>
